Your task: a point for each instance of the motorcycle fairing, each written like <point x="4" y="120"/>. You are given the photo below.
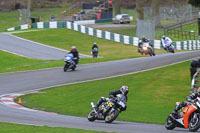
<point x="187" y="111"/>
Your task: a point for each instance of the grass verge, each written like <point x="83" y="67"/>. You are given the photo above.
<point x="11" y="19"/>
<point x="18" y="128"/>
<point x="151" y="98"/>
<point x="65" y="38"/>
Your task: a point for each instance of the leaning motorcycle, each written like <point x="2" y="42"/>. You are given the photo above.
<point x="109" y="110"/>
<point x="188" y="117"/>
<point x="147" y="49"/>
<point x="95" y="52"/>
<point x="69" y="63"/>
<point x="170" y="49"/>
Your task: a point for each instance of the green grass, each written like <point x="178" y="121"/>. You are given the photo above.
<point x="12" y="63"/>
<point x="11" y="19"/>
<point x="65" y="38"/>
<point x="151" y="98"/>
<point x="18" y="128"/>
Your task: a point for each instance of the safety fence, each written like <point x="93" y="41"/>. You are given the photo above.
<point x="184" y="45"/>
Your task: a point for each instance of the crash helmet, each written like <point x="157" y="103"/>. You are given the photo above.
<point x="143" y="38"/>
<point x="95" y="43"/>
<point x="163" y="37"/>
<point x="73" y="47"/>
<point x="124" y="90"/>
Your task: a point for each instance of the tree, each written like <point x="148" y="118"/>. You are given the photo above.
<point x="155" y="12"/>
<point x="28" y="4"/>
<point x="195" y="3"/>
<point x="140" y="9"/>
<point x="117" y="6"/>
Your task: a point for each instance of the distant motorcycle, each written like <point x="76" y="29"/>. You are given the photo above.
<point x="69" y="63"/>
<point x="189" y="117"/>
<point x="109" y="110"/>
<point x="95" y="52"/>
<point x="147" y="49"/>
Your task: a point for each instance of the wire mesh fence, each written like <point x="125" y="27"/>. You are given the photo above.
<point x="145" y="28"/>
<point x="24" y="16"/>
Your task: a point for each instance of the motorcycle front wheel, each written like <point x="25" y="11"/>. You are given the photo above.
<point x="111" y="116"/>
<point x="194" y="123"/>
<point x="66" y="67"/>
<point x="91" y="116"/>
<point x="169" y="124"/>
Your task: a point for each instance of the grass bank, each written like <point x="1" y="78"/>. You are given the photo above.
<point x="11" y="19"/>
<point x="65" y="38"/>
<point x="151" y="98"/>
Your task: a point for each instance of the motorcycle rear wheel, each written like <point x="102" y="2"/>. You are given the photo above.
<point x="194" y="125"/>
<point x="111" y="116"/>
<point x="91" y="116"/>
<point x="169" y="124"/>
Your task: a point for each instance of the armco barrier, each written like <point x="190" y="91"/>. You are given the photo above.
<point x="184" y="45"/>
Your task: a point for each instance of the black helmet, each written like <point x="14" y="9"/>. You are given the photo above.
<point x="143" y="38"/>
<point x="124" y="90"/>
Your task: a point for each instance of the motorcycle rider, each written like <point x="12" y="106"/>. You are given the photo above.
<point x="123" y="90"/>
<point x="166" y="42"/>
<point x="75" y="53"/>
<point x="95" y="47"/>
<point x="190" y="98"/>
<point x="144" y="40"/>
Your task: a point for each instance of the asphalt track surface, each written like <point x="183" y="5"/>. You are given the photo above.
<point x="30" y="80"/>
<point x="31" y="49"/>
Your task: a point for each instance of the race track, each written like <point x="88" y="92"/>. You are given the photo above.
<point x="30" y="80"/>
<point x="31" y="49"/>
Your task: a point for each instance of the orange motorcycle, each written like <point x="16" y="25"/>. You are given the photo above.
<point x="188" y="117"/>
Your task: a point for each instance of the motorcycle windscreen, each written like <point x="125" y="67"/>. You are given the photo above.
<point x="187" y="111"/>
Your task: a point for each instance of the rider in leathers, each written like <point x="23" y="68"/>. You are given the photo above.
<point x="190" y="98"/>
<point x="166" y="42"/>
<point x="75" y="53"/>
<point x="123" y="90"/>
<point x="144" y="40"/>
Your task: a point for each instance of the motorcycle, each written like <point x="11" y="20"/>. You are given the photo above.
<point x="69" y="62"/>
<point x="147" y="49"/>
<point x="109" y="110"/>
<point x="188" y="117"/>
<point x="170" y="49"/>
<point x="95" y="52"/>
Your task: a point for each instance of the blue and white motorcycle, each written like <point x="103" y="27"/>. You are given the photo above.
<point x="169" y="47"/>
<point x="69" y="62"/>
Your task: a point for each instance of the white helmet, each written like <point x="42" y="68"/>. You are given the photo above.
<point x="124" y="90"/>
<point x="163" y="37"/>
